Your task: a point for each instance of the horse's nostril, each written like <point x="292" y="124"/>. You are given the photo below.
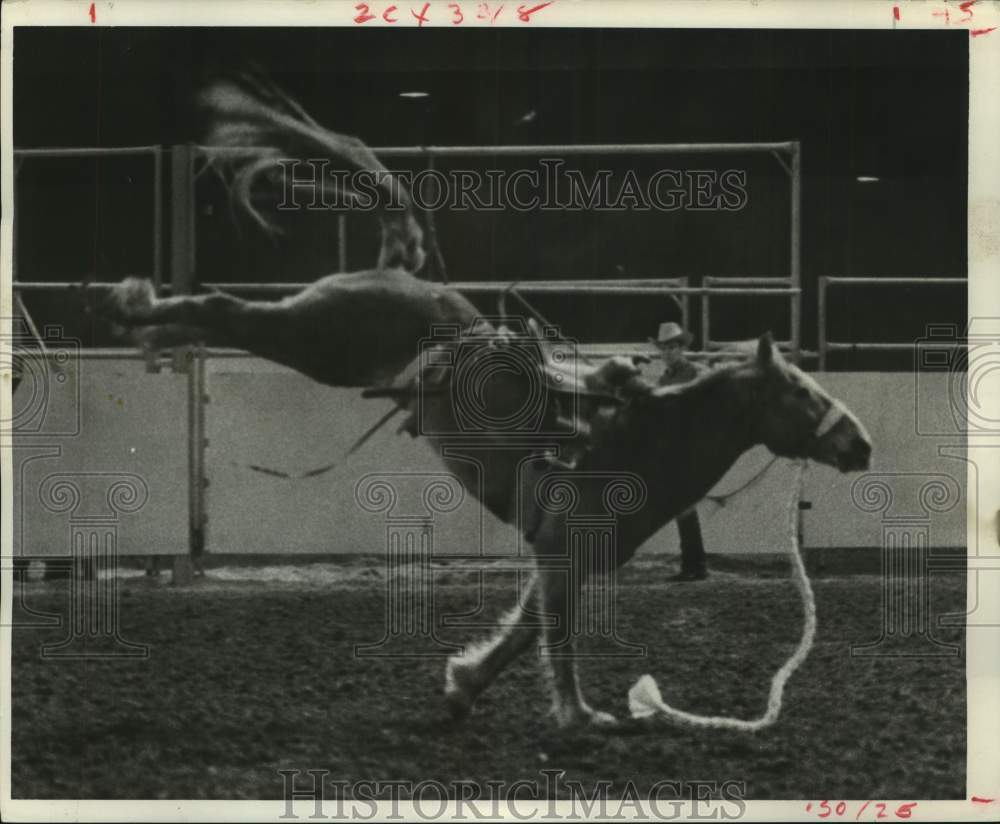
<point x="863" y="450"/>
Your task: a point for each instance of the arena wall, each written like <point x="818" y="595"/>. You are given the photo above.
<point x="135" y="424"/>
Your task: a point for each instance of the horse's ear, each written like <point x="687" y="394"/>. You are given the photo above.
<point x="765" y="349"/>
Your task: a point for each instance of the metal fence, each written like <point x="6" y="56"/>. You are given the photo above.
<point x="183" y="265"/>
<point x="184" y="160"/>
<point x="183" y="268"/>
<point x="156" y="155"/>
<point x="826" y="346"/>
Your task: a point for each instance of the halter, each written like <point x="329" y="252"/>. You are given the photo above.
<point x="833" y="416"/>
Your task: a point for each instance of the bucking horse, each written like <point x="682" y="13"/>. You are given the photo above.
<point x="365" y="329"/>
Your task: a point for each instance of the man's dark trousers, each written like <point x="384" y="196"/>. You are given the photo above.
<point x="692" y="548"/>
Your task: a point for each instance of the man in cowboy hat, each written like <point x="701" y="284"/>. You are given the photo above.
<point x="672" y="339"/>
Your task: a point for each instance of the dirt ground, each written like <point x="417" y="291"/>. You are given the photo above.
<point x="253" y="670"/>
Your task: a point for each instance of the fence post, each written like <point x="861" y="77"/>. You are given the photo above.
<point x="795" y="268"/>
<point x="188" y="359"/>
<point x="158" y="217"/>
<point x="821" y="321"/>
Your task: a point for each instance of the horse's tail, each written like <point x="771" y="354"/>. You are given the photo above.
<point x="255" y="124"/>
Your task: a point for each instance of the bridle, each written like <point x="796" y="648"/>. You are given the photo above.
<point x="834" y="414"/>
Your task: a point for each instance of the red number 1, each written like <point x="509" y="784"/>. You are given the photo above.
<point x="93" y="14"/>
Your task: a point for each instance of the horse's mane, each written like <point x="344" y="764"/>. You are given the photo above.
<point x="657" y="408"/>
<point x="702" y="383"/>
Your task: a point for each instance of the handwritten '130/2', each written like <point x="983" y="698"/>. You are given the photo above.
<point x="456" y="14"/>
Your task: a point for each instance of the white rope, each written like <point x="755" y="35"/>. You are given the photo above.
<point x="644" y="698"/>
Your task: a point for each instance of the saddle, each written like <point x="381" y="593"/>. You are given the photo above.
<point x="579" y="396"/>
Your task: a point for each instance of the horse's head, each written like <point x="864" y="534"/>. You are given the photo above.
<point x="797" y="419"/>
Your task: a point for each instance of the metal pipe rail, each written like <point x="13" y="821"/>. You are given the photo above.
<point x="495" y="285"/>
<point x="627" y="286"/>
<point x="95" y="353"/>
<point x="779" y="149"/>
<point x="767" y="286"/>
<point x="595" y="350"/>
<point x="826" y="346"/>
<point x="84" y="151"/>
<point x="156" y="152"/>
<point x="638" y="287"/>
<point x="787" y="146"/>
<point x="651" y="287"/>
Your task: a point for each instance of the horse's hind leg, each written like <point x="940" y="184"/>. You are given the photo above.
<point x="467" y="675"/>
<point x="560" y="597"/>
<point x="133" y="302"/>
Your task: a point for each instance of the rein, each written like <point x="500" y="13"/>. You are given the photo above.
<point x="322" y="470"/>
<point x="645" y="700"/>
<point x="721" y="500"/>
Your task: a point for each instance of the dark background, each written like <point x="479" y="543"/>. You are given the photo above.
<point x="893" y="105"/>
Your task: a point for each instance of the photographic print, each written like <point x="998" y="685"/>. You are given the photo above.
<point x="540" y="410"/>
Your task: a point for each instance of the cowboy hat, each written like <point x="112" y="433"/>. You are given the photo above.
<point x="670" y="332"/>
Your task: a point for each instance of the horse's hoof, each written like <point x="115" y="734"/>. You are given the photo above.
<point x="457" y="703"/>
<point x="602" y="719"/>
<point x="132" y="299"/>
<point x="576" y="717"/>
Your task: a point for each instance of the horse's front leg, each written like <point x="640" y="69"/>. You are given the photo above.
<point x="469" y="674"/>
<point x="560" y="596"/>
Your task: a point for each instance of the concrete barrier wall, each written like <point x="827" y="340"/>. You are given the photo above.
<point x="112" y="423"/>
<point x="278" y="420"/>
<point x="101" y="451"/>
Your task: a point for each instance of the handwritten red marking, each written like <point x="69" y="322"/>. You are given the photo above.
<point x="387" y="12"/>
<point x="944" y="14"/>
<point x="839" y="809"/>
<point x="422" y="17"/>
<point x="93" y="13"/>
<point x="524" y="15"/>
<point x="977" y="32"/>
<point x="895" y="12"/>
<point x="977" y="800"/>
<point x="456" y="10"/>
<point x="364" y="13"/>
